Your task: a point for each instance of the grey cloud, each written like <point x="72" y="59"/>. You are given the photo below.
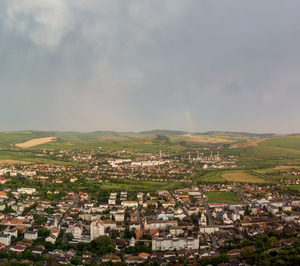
<point x="134" y="65"/>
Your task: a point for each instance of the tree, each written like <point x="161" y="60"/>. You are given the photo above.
<point x="249" y="253"/>
<point x="43" y="233"/>
<point x="181" y="260"/>
<point x="101" y="245"/>
<point x="39" y="220"/>
<point x="194" y="218"/>
<point x="248" y="211"/>
<point x="114" y="234"/>
<point x="76" y="261"/>
<point x="69" y="236"/>
<point x="28" y="256"/>
<point x="49" y="246"/>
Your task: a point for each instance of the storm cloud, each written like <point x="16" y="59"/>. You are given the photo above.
<point x="144" y="64"/>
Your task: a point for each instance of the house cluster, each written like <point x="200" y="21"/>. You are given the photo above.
<point x="162" y="226"/>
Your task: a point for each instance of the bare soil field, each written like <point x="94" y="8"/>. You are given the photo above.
<point x="35" y="142"/>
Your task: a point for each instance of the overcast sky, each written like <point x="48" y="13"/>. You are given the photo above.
<point x="150" y="64"/>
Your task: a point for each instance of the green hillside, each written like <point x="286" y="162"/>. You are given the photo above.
<point x="284" y="142"/>
<point x="269" y="153"/>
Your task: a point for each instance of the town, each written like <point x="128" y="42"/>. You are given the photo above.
<point x="83" y="214"/>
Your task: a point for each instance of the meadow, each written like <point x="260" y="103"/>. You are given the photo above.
<point x="222" y="198"/>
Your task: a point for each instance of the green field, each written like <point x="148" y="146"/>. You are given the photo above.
<point x="143" y="186"/>
<point x="222" y="198"/>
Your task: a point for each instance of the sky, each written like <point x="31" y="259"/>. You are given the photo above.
<point x="133" y="65"/>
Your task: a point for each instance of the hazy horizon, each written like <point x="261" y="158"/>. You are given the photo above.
<point x="141" y="131"/>
<point x="138" y="65"/>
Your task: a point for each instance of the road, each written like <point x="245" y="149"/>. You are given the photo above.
<point x="241" y="196"/>
<point x="180" y="204"/>
<point x="77" y="199"/>
<point x="210" y="219"/>
<point x="138" y="210"/>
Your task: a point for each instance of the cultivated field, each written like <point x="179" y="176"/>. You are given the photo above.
<point x="35" y="142"/>
<point x="241" y="176"/>
<point x="222" y="198"/>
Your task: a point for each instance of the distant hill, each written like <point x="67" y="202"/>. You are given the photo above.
<point x="246" y="134"/>
<point x="155" y="132"/>
<point x="160" y="132"/>
<point x="103" y="133"/>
